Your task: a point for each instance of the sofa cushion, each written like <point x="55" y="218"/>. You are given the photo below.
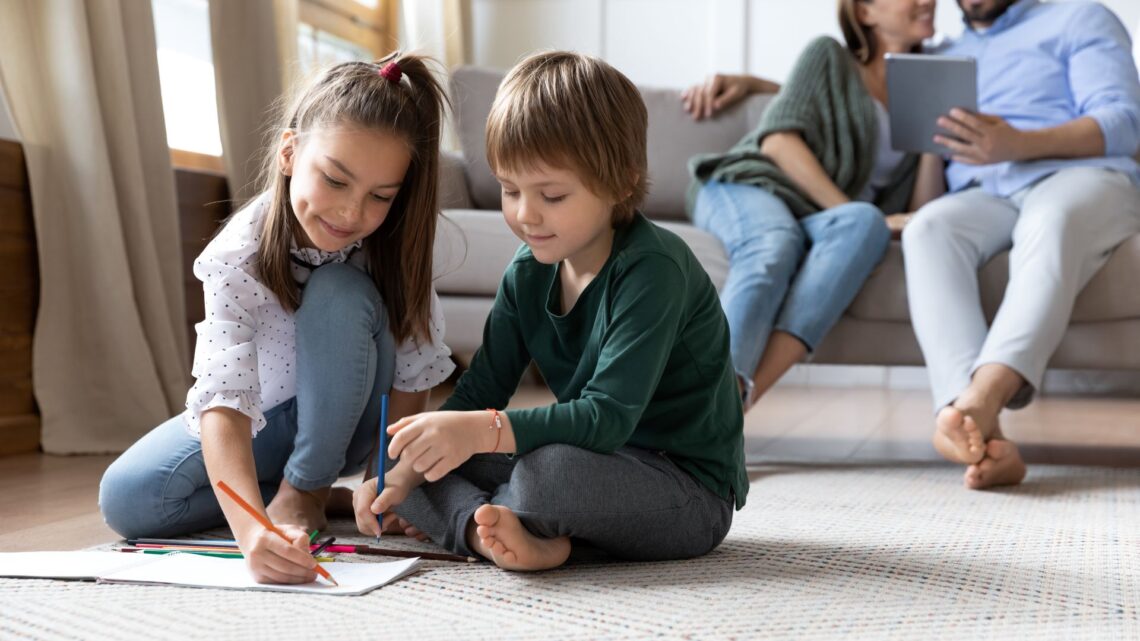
<point x="673" y="138"/>
<point x="474" y="247"/>
<point x="883" y="297"/>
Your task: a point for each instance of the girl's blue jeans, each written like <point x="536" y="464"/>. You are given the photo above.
<point x="793" y="275"/>
<point x="345" y="362"/>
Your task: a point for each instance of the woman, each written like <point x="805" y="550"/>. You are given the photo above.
<point x="799" y="202"/>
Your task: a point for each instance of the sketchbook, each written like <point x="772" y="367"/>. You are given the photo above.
<point x="193" y="570"/>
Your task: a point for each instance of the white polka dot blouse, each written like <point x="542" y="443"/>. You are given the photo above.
<point x="245" y="357"/>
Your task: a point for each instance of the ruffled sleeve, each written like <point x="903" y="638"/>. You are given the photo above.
<point x="225" y="358"/>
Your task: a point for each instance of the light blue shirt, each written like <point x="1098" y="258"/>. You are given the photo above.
<point x="1042" y="65"/>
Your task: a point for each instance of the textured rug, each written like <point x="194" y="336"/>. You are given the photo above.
<point x="818" y="553"/>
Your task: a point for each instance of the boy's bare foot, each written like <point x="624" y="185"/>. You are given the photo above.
<point x="957" y="436"/>
<point x="1002" y="465"/>
<point x="302" y="508"/>
<point x="501" y="537"/>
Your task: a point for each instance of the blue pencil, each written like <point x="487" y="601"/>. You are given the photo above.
<point x="381" y="456"/>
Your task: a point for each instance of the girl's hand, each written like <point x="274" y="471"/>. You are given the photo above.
<point x="273" y="560"/>
<point x="435" y="443"/>
<point x="366" y="506"/>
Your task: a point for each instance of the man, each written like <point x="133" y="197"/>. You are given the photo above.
<point x="1044" y="170"/>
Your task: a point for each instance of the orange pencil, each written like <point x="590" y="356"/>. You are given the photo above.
<point x="266" y="524"/>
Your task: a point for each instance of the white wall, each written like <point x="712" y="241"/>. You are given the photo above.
<point x="675" y="43"/>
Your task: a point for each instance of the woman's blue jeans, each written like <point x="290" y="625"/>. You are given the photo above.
<point x="794" y="275"/>
<point x="345" y="362"/>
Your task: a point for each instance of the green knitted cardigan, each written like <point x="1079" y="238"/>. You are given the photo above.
<point x="826" y="102"/>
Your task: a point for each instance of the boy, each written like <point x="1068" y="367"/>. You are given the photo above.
<point x="642" y="454"/>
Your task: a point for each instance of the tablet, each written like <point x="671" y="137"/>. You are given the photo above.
<point x="920" y="88"/>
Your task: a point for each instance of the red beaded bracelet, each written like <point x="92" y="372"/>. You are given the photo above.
<point x="496" y="424"/>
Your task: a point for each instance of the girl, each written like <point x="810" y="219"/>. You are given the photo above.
<point x="318" y="300"/>
<point x="799" y="202"/>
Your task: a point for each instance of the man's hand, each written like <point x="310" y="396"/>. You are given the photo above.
<point x="721" y="91"/>
<point x="982" y="139"/>
<point x="435" y="443"/>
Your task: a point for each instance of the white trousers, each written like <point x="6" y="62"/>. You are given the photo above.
<point x="1059" y="231"/>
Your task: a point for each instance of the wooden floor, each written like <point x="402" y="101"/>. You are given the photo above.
<point x="49" y="502"/>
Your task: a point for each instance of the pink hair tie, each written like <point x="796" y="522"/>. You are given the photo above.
<point x="391" y="72"/>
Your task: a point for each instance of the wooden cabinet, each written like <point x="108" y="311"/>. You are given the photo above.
<point x="19" y="298"/>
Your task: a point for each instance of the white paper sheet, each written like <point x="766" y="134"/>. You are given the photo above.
<point x="194" y="570"/>
<point x="68" y="565"/>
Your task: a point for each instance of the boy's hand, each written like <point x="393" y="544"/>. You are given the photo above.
<point x="435" y="443"/>
<point x="272" y="560"/>
<point x="366" y="506"/>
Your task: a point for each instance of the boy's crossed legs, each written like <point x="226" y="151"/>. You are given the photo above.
<point x="531" y="512"/>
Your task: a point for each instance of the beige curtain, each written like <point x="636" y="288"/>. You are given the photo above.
<point x="254" y="46"/>
<point x="110" y="352"/>
<point x="438" y="28"/>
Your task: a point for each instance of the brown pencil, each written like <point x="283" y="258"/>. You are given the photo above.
<point x="432" y="556"/>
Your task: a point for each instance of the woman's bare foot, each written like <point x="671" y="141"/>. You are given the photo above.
<point x="1002" y="465"/>
<point x="957" y="436"/>
<point x="500" y="536"/>
<point x="305" y="509"/>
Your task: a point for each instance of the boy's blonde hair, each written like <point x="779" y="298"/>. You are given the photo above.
<point x="574" y="112"/>
<point x="399" y="252"/>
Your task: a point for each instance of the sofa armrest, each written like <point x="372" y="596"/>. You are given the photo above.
<point x="453" y="191"/>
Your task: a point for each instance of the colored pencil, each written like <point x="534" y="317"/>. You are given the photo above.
<point x="219" y="543"/>
<point x="266" y="523"/>
<point x="186" y="548"/>
<point x="322" y="546"/>
<point x="433" y="556"/>
<point x="222" y="555"/>
<point x="381" y="456"/>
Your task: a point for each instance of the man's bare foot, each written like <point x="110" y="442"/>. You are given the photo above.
<point x="302" y="508"/>
<point x="957" y="436"/>
<point x="1002" y="465"/>
<point x="501" y="537"/>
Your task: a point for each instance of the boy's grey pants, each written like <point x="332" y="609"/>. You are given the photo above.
<point x="633" y="504"/>
<point x="1062" y="230"/>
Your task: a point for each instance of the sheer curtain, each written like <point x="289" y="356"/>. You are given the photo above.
<point x="110" y="352"/>
<point x="254" y="45"/>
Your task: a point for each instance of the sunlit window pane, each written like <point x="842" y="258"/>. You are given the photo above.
<point x="186" y="74"/>
<point x="319" y="49"/>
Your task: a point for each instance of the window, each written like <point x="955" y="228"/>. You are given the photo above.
<point x="186" y="75"/>
<point x="333" y="31"/>
<point x="328" y="31"/>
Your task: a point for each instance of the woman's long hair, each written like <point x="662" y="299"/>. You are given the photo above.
<point x="860" y="38"/>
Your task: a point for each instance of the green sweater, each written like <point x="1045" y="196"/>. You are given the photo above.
<point x="642" y="359"/>
<point x="826" y="102"/>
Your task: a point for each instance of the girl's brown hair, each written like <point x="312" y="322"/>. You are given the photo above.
<point x="859" y="37"/>
<point x="399" y="253"/>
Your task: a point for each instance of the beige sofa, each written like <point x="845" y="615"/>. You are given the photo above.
<point x="475" y="245"/>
